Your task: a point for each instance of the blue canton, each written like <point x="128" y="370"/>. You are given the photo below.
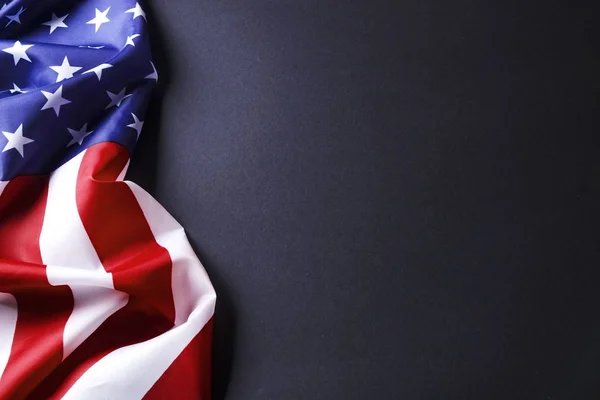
<point x="72" y="74"/>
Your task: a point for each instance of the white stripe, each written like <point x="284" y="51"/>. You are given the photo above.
<point x="68" y="253"/>
<point x="63" y="240"/>
<point x="8" y="324"/>
<point x="123" y="172"/>
<point x="129" y="372"/>
<point x="3" y="186"/>
<point x="189" y="280"/>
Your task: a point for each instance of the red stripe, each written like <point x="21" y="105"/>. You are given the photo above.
<point x="22" y="207"/>
<point x="43" y="309"/>
<point x="124" y="242"/>
<point x="119" y="231"/>
<point x="189" y="377"/>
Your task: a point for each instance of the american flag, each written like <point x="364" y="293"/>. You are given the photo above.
<point x="101" y="295"/>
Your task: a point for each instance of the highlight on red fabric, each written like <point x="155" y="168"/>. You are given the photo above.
<point x="120" y="236"/>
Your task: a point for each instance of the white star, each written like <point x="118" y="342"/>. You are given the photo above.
<point x="154" y="74"/>
<point x="15" y="17"/>
<point x="17" y="89"/>
<point x="116" y="99"/>
<point x="100" y="18"/>
<point x="130" y="39"/>
<point x="137" y="124"/>
<point x="79" y="135"/>
<point x="55" y="100"/>
<point x="98" y="70"/>
<point x="19" y="51"/>
<point x="16" y="140"/>
<point x="137" y="11"/>
<point x="64" y="71"/>
<point x="56" y="22"/>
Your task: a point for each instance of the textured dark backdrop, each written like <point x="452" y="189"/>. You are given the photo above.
<point x="394" y="199"/>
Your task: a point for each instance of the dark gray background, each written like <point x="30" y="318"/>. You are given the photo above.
<point x="394" y="199"/>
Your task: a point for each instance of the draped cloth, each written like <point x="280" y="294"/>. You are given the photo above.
<point x="101" y="295"/>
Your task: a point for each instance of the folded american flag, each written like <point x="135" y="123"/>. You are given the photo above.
<point x="101" y="296"/>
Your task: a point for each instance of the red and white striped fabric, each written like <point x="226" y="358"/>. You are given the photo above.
<point x="101" y="295"/>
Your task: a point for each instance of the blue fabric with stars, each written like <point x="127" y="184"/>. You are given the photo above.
<point x="73" y="73"/>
